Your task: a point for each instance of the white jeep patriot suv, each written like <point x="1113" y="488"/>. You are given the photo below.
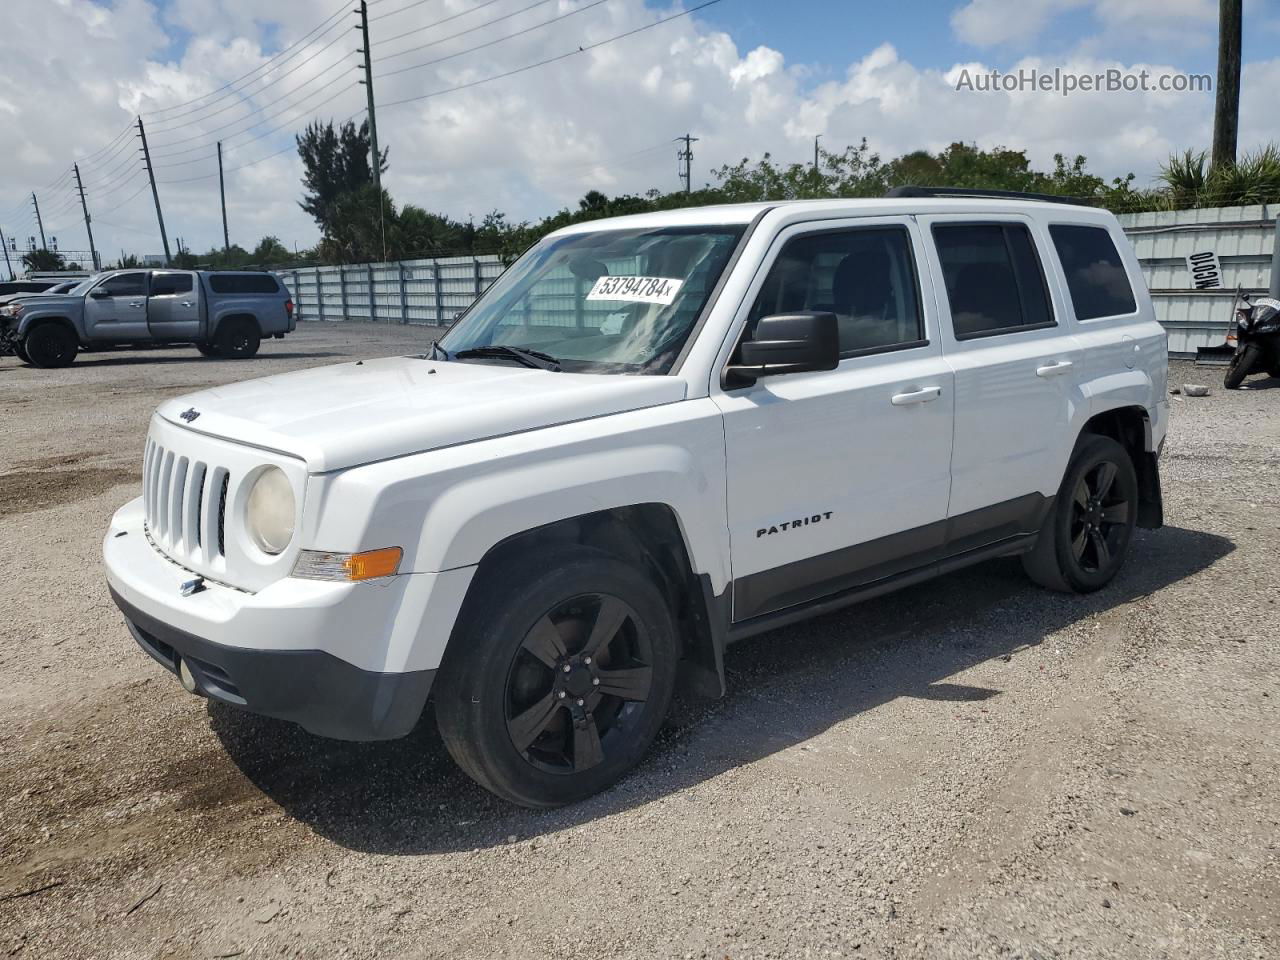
<point x="652" y="436"/>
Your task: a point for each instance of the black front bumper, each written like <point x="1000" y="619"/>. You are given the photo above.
<point x="323" y="694"/>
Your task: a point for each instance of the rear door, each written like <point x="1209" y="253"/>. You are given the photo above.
<point x="173" y="308"/>
<point x="116" y="309"/>
<point x="1008" y="338"/>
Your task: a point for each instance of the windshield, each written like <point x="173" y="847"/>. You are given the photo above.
<point x="82" y="287"/>
<point x="612" y="301"/>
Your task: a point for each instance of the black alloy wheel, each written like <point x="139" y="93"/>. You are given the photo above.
<point x="238" y="339"/>
<point x="578" y="683"/>
<point x="51" y="345"/>
<point x="1101" y="517"/>
<point x="558" y="674"/>
<point x="1085" y="536"/>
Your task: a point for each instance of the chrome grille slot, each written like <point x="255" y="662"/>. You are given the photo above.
<point x="161" y="531"/>
<point x="191" y="508"/>
<point x="177" y="497"/>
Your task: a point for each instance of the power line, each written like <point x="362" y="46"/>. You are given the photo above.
<point x="258" y="136"/>
<point x="556" y="59"/>
<point x="495" y="42"/>
<point x="392" y="13"/>
<point x="205" y="135"/>
<point x="114" y="140"/>
<point x="444" y="20"/>
<point x="274" y="81"/>
<point x="262" y="66"/>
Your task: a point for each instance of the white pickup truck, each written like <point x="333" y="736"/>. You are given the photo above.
<point x="650" y="437"/>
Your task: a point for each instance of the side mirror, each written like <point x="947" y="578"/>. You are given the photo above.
<point x="99" y="294"/>
<point x="787" y="343"/>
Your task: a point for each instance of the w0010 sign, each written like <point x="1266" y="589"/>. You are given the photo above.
<point x="1206" y="271"/>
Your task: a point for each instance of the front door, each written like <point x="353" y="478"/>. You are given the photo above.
<point x="1008" y="338"/>
<point x="840" y="478"/>
<point x="173" y="308"/>
<point x="116" y="309"/>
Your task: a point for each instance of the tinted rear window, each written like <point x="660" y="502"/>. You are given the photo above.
<point x="993" y="277"/>
<point x="1095" y="274"/>
<point x="243" y="283"/>
<point x="169" y="283"/>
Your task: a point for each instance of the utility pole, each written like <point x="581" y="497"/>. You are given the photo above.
<point x="93" y="251"/>
<point x="155" y="194"/>
<point x="5" y="243"/>
<point x="1226" y="110"/>
<point x="368" y="89"/>
<point x="815" y="155"/>
<point x="39" y="222"/>
<point x="686" y="156"/>
<point x="222" y="191"/>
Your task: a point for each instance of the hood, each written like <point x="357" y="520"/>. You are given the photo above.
<point x="35" y="299"/>
<point x="352" y="413"/>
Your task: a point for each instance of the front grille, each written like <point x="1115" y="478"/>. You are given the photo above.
<point x="177" y="496"/>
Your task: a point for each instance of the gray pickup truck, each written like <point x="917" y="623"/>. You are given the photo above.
<point x="222" y="313"/>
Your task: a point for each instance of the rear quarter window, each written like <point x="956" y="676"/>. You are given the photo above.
<point x="243" y="283"/>
<point x="1095" y="273"/>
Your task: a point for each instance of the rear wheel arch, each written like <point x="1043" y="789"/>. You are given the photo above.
<point x="1130" y="426"/>
<point x="647" y="536"/>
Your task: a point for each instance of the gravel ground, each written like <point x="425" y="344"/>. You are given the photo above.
<point x="969" y="768"/>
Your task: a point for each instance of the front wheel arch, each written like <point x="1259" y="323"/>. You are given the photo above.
<point x="649" y="536"/>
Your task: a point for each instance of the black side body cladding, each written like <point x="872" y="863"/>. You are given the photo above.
<point x="1009" y="527"/>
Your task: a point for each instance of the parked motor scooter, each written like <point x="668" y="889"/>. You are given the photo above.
<point x="1257" y="337"/>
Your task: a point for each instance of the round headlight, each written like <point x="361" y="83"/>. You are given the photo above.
<point x="270" y="511"/>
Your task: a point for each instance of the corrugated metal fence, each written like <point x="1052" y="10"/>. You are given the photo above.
<point x="1244" y="238"/>
<point x="410" y="291"/>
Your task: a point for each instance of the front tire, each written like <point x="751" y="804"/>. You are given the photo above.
<point x="51" y="345"/>
<point x="20" y="352"/>
<point x="207" y="349"/>
<point x="1084" y="539"/>
<point x="558" y="678"/>
<point x="1241" y="364"/>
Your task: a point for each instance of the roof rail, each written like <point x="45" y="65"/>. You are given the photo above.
<point x="913" y="191"/>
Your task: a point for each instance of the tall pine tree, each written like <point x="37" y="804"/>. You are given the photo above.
<point x="336" y="163"/>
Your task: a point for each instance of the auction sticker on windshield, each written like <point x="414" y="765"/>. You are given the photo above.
<point x="636" y="289"/>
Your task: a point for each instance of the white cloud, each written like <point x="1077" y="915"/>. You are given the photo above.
<point x="603" y="119"/>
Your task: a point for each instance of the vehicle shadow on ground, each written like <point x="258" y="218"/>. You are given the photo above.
<point x="407" y="796"/>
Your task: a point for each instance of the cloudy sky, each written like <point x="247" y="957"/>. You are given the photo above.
<point x="745" y="76"/>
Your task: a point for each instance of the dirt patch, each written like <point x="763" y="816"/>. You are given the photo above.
<point x="25" y="491"/>
<point x="59" y="460"/>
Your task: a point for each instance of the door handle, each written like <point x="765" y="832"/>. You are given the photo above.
<point x="923" y="395"/>
<point x="1055" y="369"/>
<point x="136" y="303"/>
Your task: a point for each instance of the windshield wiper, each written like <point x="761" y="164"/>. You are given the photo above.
<point x="529" y="358"/>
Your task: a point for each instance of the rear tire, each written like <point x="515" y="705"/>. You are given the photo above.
<point x="237" y="339"/>
<point x="1241" y="364"/>
<point x="558" y="677"/>
<point x="1084" y="539"/>
<point x="50" y="345"/>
